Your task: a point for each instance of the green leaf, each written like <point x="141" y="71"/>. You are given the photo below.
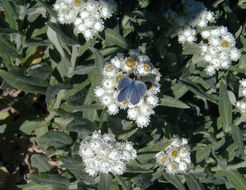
<point x="173" y="179"/>
<point x="28" y="84"/>
<point x="105" y="182"/>
<point x="73" y="163"/>
<point x="172" y="102"/>
<point x="148" y="152"/>
<point x="48" y="8"/>
<point x="225" y="107"/>
<point x="193" y="183"/>
<point x="8" y="31"/>
<point x="83" y="69"/>
<point x="237" y="136"/>
<point x="7" y="48"/>
<point x="234" y="177"/>
<point x="142" y="180"/>
<point x="50" y="179"/>
<point x="63" y="37"/>
<point x="198" y="90"/>
<point x="242" y="4"/>
<point x="56" y="139"/>
<point x="114" y="38"/>
<point x="29" y="126"/>
<point x="40" y="162"/>
<point x="190" y="49"/>
<point x="203" y="153"/>
<point x="127" y="134"/>
<point x="10" y="12"/>
<point x="83" y="126"/>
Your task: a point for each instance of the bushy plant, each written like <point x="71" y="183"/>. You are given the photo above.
<point x="98" y="94"/>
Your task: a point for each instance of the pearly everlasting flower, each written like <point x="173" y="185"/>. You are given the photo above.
<point x="242" y="88"/>
<point x="241" y="105"/>
<point x="218" y="49"/>
<point x="193" y="13"/>
<point x="187" y="35"/>
<point x="103" y="154"/>
<point x="88" y="16"/>
<point x="135" y="68"/>
<point x="176" y="157"/>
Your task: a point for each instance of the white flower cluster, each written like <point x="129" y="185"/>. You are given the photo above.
<point x="176" y="157"/>
<point x="192" y="13"/>
<point x="103" y="154"/>
<point x="241" y="105"/>
<point x="187" y="35"/>
<point x="87" y="16"/>
<point x="219" y="50"/>
<point x="137" y="67"/>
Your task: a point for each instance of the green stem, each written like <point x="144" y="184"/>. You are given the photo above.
<point x="101" y="117"/>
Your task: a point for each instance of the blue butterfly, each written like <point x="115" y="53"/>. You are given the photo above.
<point x="131" y="89"/>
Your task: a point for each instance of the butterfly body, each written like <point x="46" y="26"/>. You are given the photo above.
<point x="131" y="89"/>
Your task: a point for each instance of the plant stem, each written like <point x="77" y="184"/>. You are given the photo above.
<point x="101" y="117"/>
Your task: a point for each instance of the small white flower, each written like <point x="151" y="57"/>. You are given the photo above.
<point x="99" y="91"/>
<point x="142" y="121"/>
<point x="106" y="100"/>
<point x="210" y="70"/>
<point x="113" y="109"/>
<point x="235" y="54"/>
<point x="132" y="113"/>
<point x="205" y="34"/>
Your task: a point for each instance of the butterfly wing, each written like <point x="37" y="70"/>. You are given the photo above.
<point x="124" y="93"/>
<point x="125" y="86"/>
<point x="124" y="82"/>
<point x="137" y="91"/>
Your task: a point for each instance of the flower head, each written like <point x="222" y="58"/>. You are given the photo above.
<point x="218" y="49"/>
<point x="103" y="154"/>
<point x="176" y="157"/>
<point x="88" y="16"/>
<point x="135" y="70"/>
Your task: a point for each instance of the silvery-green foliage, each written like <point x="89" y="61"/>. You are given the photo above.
<point x="50" y="60"/>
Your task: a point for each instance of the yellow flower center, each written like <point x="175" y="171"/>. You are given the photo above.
<point x="174" y="153"/>
<point x="125" y="102"/>
<point x="130" y="63"/>
<point x="118" y="78"/>
<point x="109" y="68"/>
<point x="163" y="160"/>
<point x="147" y="67"/>
<point x="77" y="2"/>
<point x="174" y="166"/>
<point x="225" y="44"/>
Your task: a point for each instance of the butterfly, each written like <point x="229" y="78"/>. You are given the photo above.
<point x="131" y="89"/>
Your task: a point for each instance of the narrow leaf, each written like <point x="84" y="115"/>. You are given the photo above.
<point x="234" y="177"/>
<point x="172" y="102"/>
<point x="105" y="182"/>
<point x="193" y="183"/>
<point x="114" y="38"/>
<point x="63" y="37"/>
<point x="225" y="107"/>
<point x="173" y="179"/>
